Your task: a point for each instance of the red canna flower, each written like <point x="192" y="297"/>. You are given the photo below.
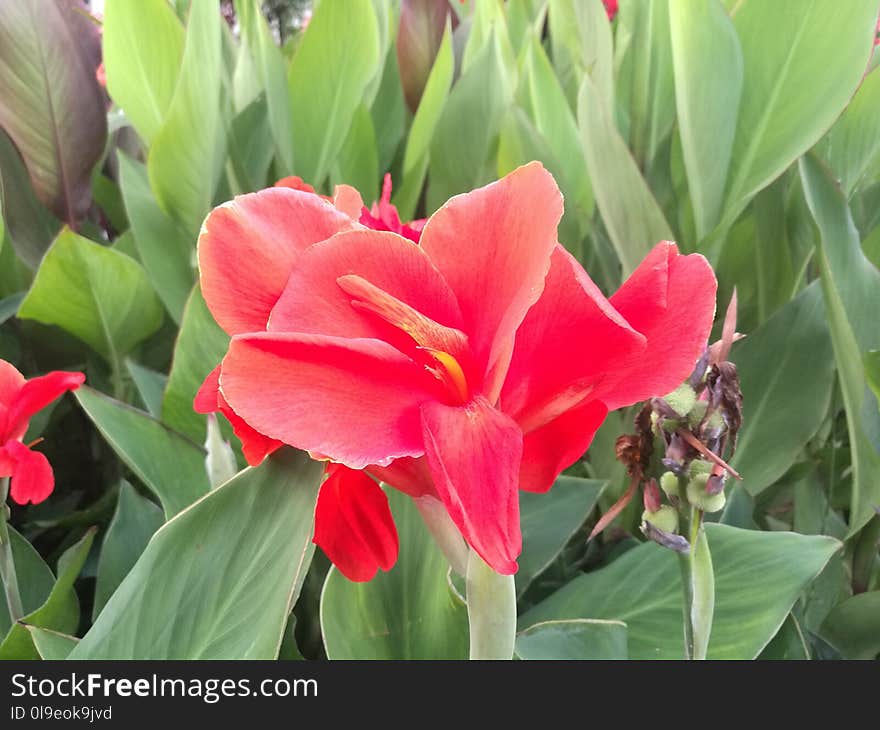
<point x="383" y="216"/>
<point x="610" y="8"/>
<point x="477" y="363"/>
<point x="32" y="478"/>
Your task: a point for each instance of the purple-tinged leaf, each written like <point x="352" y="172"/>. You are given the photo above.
<point x="422" y="23"/>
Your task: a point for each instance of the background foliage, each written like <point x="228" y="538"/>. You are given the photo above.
<point x="748" y="131"/>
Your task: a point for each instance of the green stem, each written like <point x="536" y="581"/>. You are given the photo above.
<point x="444" y="532"/>
<point x="7" y="564"/>
<point x="698" y="586"/>
<point x="491" y="601"/>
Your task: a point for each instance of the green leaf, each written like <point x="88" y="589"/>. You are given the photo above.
<point x="575" y="639"/>
<point x="335" y="61"/>
<point x="50" y="103"/>
<point x="200" y="347"/>
<point x="133" y="524"/>
<point x="802" y="65"/>
<point x="358" y="161"/>
<point x="758" y="577"/>
<point x="169" y="464"/>
<point x="166" y="250"/>
<point x="389" y="114"/>
<point x="854" y="141"/>
<point x="849" y="285"/>
<point x="35" y="579"/>
<point x="409" y="612"/>
<point x="789" y="643"/>
<point x="853" y="627"/>
<point x="30" y="228"/>
<point x="582" y="44"/>
<point x="60" y="610"/>
<point x="272" y="71"/>
<point x="150" y="386"/>
<point x="143" y="46"/>
<point x="187" y="153"/>
<point x="415" y="159"/>
<point x="9" y="306"/>
<point x="778" y="420"/>
<point x="550" y="520"/>
<point x="51" y="645"/>
<point x="629" y="210"/>
<point x="708" y="83"/>
<point x="250" y="146"/>
<point x="470" y="121"/>
<point x="872" y="370"/>
<point x="220" y="579"/>
<point x="99" y="295"/>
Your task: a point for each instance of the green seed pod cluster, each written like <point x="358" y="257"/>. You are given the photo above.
<point x="665" y="518"/>
<point x="670" y="484"/>
<point x="682" y="399"/>
<point x="699" y="498"/>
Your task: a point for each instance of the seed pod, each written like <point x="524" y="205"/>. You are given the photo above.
<point x="665" y="518"/>
<point x="700" y="498"/>
<point x="670" y="485"/>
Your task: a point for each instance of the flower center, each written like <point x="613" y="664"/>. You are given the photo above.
<point x="449" y="373"/>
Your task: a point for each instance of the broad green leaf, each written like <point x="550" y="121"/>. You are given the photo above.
<point x="169" y="464"/>
<point x="708" y="83"/>
<point x="200" y="347"/>
<point x="574" y="639"/>
<point x="415" y="160"/>
<point x="471" y="119"/>
<point x="629" y="210"/>
<point x="854" y="141"/>
<point x="250" y="147"/>
<point x="389" y="114"/>
<point x="853" y="627"/>
<point x="52" y="645"/>
<point x="778" y="420"/>
<point x="550" y="520"/>
<point x="358" y="160"/>
<point x="802" y="63"/>
<point x="150" y="386"/>
<point x="30" y="228"/>
<point x="409" y="612"/>
<point x="220" y="579"/>
<point x="186" y="155"/>
<point x="758" y="577"/>
<point x="35" y="579"/>
<point x="545" y="102"/>
<point x="333" y="65"/>
<point x="272" y="71"/>
<point x="99" y="295"/>
<point x="789" y="643"/>
<point x="133" y="524"/>
<point x="849" y="285"/>
<point x="60" y="611"/>
<point x="581" y="41"/>
<point x="645" y="84"/>
<point x="50" y="103"/>
<point x="872" y="370"/>
<point x="143" y="46"/>
<point x="9" y="306"/>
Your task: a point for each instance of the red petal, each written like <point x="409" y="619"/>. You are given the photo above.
<point x="11" y="382"/>
<point x="348" y="200"/>
<point x="410" y="476"/>
<point x="32" y="480"/>
<point x="356" y="401"/>
<point x="493" y="246"/>
<point x="35" y="395"/>
<point x="353" y="524"/>
<point x="570" y="342"/>
<point x="207" y="397"/>
<point x="474" y="453"/>
<point x="315" y="302"/>
<point x="248" y="246"/>
<point x="671" y="300"/>
<point x="557" y="445"/>
<point x="294" y="182"/>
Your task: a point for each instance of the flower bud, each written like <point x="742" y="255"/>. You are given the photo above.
<point x="651" y="496"/>
<point x="682" y="399"/>
<point x="665" y="518"/>
<point x="700" y="498"/>
<point x="700" y="467"/>
<point x="669" y="484"/>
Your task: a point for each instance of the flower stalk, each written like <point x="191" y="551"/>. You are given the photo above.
<point x="698" y="588"/>
<point x="7" y="564"/>
<point x="491" y="601"/>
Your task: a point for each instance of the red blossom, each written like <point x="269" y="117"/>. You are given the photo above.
<point x="32" y="478"/>
<point x="610" y="8"/>
<point x="479" y="362"/>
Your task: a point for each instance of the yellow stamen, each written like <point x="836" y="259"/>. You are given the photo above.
<point x="452" y="372"/>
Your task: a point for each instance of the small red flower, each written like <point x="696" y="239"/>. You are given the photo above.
<point x="20" y="399"/>
<point x="475" y="363"/>
<point x="610" y="8"/>
<point x="383" y="216"/>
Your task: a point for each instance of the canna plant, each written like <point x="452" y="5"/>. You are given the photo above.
<point x="430" y="387"/>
